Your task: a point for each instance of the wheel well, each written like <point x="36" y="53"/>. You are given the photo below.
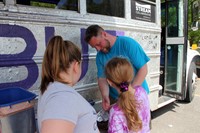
<point x="195" y="62"/>
<point x="189" y="93"/>
<point x="198" y="72"/>
<point x="196" y="59"/>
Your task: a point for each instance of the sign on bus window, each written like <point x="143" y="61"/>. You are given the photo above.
<point x="142" y="11"/>
<point x="57" y="4"/>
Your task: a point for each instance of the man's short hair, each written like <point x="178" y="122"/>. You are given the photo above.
<point x="91" y="31"/>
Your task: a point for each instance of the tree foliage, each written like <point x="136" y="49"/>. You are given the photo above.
<point x="193" y="36"/>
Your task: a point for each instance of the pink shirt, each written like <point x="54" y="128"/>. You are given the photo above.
<point x="117" y="120"/>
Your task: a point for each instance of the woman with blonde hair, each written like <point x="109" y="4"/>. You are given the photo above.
<point x="131" y="112"/>
<point x="61" y="109"/>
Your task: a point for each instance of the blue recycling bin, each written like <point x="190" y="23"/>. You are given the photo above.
<point x="17" y="111"/>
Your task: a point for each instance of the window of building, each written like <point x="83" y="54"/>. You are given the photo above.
<point x="106" y="7"/>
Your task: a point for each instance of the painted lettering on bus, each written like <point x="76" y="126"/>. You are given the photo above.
<point x="25" y="57"/>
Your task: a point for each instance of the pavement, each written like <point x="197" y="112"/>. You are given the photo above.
<point x="178" y="117"/>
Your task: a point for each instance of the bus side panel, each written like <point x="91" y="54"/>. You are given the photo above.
<point x="150" y="41"/>
<point x="22" y="46"/>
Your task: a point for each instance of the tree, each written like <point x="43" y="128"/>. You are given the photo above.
<point x="193" y="36"/>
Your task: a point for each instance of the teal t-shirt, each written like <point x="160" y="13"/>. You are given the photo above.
<point x="125" y="47"/>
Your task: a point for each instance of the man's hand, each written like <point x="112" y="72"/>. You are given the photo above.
<point x="104" y="88"/>
<point x="106" y="103"/>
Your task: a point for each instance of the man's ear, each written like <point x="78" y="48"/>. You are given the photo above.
<point x="103" y="33"/>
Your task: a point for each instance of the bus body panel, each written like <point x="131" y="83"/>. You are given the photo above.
<point x="193" y="56"/>
<point x="24" y="41"/>
<point x="26" y="30"/>
<point x="190" y="57"/>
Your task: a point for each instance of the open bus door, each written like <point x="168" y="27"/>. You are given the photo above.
<point x="173" y="50"/>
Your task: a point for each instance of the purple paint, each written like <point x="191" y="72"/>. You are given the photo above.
<point x="49" y="33"/>
<point x="13" y="31"/>
<point x="115" y="33"/>
<point x="21" y="59"/>
<point x="85" y="54"/>
<point x="25" y="58"/>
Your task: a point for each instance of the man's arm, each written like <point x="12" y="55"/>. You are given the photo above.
<point x="139" y="78"/>
<point x="104" y="88"/>
<point x="138" y="59"/>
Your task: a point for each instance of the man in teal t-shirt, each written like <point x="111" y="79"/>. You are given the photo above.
<point x="109" y="46"/>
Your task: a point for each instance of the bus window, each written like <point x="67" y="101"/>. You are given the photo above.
<point x="106" y="7"/>
<point x="23" y="2"/>
<point x="58" y="4"/>
<point x="173" y="20"/>
<point x="68" y="5"/>
<point x="1" y="0"/>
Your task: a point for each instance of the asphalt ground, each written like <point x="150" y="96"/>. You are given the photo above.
<point x="178" y="117"/>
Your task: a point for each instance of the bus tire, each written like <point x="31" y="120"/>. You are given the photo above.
<point x="190" y="83"/>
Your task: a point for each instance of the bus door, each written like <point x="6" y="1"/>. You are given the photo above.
<point x="173" y="48"/>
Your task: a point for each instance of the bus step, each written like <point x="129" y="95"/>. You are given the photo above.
<point x="164" y="100"/>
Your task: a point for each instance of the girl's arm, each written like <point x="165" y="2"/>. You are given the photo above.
<point x="57" y="126"/>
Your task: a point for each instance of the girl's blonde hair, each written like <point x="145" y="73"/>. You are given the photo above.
<point x="58" y="56"/>
<point x="119" y="70"/>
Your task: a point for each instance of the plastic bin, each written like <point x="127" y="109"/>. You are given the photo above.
<point x="17" y="111"/>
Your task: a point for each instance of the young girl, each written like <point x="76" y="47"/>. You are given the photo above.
<point x="60" y="108"/>
<point x="131" y="113"/>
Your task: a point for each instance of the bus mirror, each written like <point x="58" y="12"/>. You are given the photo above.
<point x="195" y="25"/>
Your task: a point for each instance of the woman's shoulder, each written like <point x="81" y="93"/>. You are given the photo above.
<point x="59" y="90"/>
<point x="60" y="87"/>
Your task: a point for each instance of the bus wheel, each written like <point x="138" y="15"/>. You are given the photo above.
<point x="191" y="82"/>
